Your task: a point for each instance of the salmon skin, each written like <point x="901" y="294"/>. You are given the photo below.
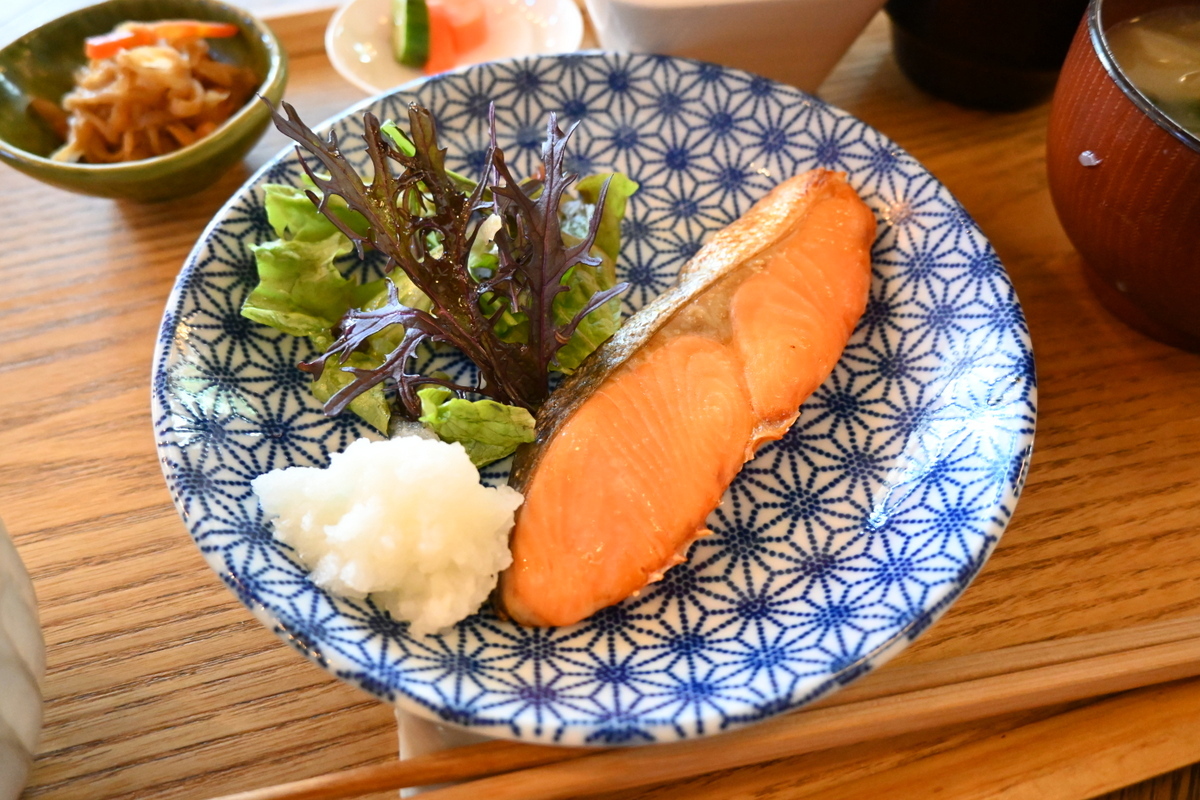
<point x="637" y="447"/>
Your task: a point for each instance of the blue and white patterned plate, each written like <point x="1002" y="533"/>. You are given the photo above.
<point x="833" y="549"/>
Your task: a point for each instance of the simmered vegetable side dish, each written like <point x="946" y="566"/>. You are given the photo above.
<point x="148" y="89"/>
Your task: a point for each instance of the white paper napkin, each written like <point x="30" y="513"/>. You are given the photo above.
<point x="420" y="737"/>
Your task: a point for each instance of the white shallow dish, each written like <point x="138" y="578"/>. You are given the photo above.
<point x="832" y="550"/>
<point x="797" y="42"/>
<point x="358" y="40"/>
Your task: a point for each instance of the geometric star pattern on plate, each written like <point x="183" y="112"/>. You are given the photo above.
<point x="831" y="550"/>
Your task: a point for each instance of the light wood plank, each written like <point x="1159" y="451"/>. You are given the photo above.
<point x="903" y="700"/>
<point x="1070" y="756"/>
<point x="1061" y="753"/>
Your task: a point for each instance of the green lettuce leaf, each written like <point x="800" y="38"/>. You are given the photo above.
<point x="294" y="217"/>
<point x="372" y="405"/>
<point x="300" y="291"/>
<point x="510" y="326"/>
<point x="483" y="262"/>
<point x="488" y="430"/>
<point x="583" y="282"/>
<point x="608" y="235"/>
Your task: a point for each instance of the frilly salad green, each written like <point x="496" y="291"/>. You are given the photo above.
<point x="530" y="266"/>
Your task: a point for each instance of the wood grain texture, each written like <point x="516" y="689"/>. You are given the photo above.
<point x="161" y="686"/>
<point x="981" y="756"/>
<point x="1076" y="754"/>
<point x="1183" y="784"/>
<point x="626" y="769"/>
<point x="895" y="701"/>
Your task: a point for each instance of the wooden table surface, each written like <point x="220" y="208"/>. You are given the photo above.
<point x="161" y="685"/>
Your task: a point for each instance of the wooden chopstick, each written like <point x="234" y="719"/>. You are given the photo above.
<point x="894" y="701"/>
<point x="1082" y="753"/>
<point x="459" y="764"/>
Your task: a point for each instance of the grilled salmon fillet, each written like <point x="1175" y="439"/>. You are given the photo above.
<point x="637" y="447"/>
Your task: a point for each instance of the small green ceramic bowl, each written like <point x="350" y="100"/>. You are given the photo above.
<point x="42" y="63"/>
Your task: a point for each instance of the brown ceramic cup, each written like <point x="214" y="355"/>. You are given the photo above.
<point x="1125" y="180"/>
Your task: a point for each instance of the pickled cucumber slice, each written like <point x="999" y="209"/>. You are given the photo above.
<point x="410" y="32"/>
